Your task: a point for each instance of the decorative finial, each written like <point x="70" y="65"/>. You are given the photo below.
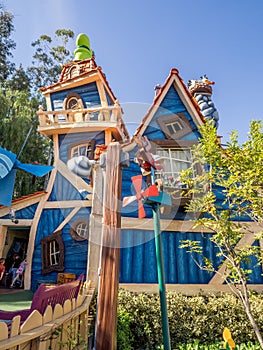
<point x="83" y="50"/>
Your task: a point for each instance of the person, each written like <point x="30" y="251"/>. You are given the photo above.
<point x="2" y="268"/>
<point x="19" y="273"/>
<point x="16" y="263"/>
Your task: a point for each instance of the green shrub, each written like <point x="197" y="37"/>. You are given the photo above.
<point x="191" y="319"/>
<point x="124" y="333"/>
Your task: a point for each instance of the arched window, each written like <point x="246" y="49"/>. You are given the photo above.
<point x="80" y="229"/>
<point x="73" y="101"/>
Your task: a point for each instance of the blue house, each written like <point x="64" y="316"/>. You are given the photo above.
<point x="59" y="229"/>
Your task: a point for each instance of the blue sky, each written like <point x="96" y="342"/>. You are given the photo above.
<point x="138" y="42"/>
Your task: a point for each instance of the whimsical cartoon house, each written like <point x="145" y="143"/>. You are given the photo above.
<point x="59" y="229"/>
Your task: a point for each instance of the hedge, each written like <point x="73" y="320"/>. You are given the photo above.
<point x="199" y="319"/>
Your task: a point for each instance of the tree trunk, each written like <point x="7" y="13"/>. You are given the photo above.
<point x="246" y="302"/>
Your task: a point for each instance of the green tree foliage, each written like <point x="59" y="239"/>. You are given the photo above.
<point x="7" y="45"/>
<point x="17" y="118"/>
<point x="48" y="59"/>
<point x="19" y="98"/>
<point x="19" y="80"/>
<point x="227" y="194"/>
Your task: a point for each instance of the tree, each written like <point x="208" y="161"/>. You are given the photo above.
<point x="7" y="45"/>
<point x="19" y="99"/>
<point x="237" y="174"/>
<point x="48" y="59"/>
<point x="19" y="80"/>
<point x="18" y="118"/>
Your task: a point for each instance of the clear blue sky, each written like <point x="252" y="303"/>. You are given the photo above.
<point x="138" y="42"/>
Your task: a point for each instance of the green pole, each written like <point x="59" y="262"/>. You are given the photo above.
<point x="160" y="273"/>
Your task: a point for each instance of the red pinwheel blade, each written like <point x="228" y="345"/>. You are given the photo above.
<point x="151" y="191"/>
<point x="137" y="183"/>
<point x="141" y="211"/>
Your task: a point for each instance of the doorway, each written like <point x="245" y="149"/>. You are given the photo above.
<point x="16" y="242"/>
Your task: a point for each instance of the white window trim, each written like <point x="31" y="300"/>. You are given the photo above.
<point x="53" y="253"/>
<point x="175" y="174"/>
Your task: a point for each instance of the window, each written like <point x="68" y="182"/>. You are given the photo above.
<point x="52" y="253"/>
<point x="73" y="101"/>
<point x="80" y="229"/>
<point x="174" y="126"/>
<point x="82" y="149"/>
<point x="174" y="160"/>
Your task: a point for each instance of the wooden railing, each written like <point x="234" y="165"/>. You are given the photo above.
<point x="110" y="114"/>
<point x="102" y="114"/>
<point x="65" y="327"/>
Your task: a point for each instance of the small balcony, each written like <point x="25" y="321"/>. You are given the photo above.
<point x="100" y="118"/>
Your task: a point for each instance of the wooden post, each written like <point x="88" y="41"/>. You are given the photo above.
<point x="95" y="231"/>
<point x="106" y="328"/>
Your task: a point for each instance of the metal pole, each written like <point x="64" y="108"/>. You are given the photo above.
<point x="160" y="272"/>
<point x="24" y="144"/>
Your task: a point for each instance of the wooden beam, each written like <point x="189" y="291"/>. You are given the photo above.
<point x="21" y="222"/>
<point x="106" y="335"/>
<point x="77" y="81"/>
<point x="166" y="225"/>
<point x="3" y="230"/>
<point x="56" y="147"/>
<point x="75" y="180"/>
<point x="67" y="204"/>
<point x="177" y="225"/>
<point x="33" y="230"/>
<point x="108" y="137"/>
<point x="102" y="94"/>
<point x="186" y="289"/>
<point x="95" y="228"/>
<point x="247" y="240"/>
<point x="67" y="219"/>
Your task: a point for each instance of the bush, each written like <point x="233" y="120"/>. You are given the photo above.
<point x="191" y="319"/>
<point x="124" y="333"/>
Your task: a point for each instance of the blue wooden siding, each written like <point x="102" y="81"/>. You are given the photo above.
<point x="48" y="223"/>
<point x="138" y="260"/>
<point x="256" y="275"/>
<point x="171" y="104"/>
<point x="75" y="252"/>
<point x="64" y="190"/>
<point x="109" y="100"/>
<point x="88" y="93"/>
<point x="25" y="213"/>
<point x="66" y="141"/>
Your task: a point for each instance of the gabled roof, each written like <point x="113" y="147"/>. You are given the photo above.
<point x="86" y="70"/>
<point x="190" y="103"/>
